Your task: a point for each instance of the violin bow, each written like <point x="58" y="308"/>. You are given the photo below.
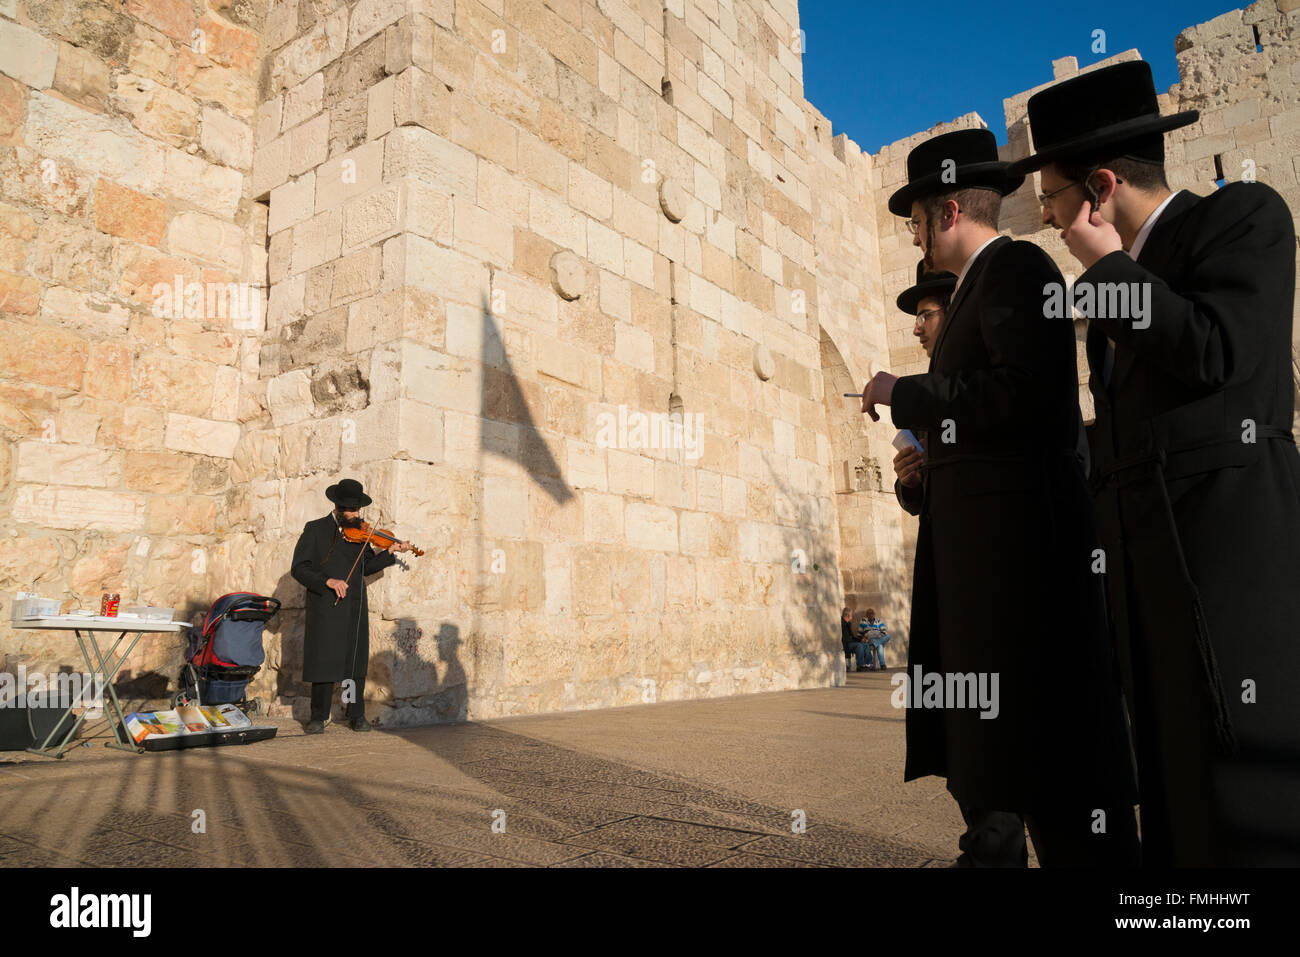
<point x="348" y="578"/>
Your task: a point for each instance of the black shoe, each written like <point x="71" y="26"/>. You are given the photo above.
<point x="359" y="724"/>
<point x="315" y="727"/>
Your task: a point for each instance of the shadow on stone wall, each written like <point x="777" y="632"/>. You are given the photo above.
<point x="504" y="400"/>
<point x="811" y="614"/>
<point x="420" y="691"/>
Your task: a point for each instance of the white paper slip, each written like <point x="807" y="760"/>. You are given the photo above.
<point x="905" y="440"/>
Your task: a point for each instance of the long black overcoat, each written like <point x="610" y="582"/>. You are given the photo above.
<point x="1003" y="580"/>
<point x="336" y="644"/>
<point x="1198" y="494"/>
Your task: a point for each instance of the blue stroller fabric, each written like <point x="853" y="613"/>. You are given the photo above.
<point x="240" y="618"/>
<point x="240" y="642"/>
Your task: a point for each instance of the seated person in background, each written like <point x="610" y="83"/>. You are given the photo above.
<point x="872" y="632"/>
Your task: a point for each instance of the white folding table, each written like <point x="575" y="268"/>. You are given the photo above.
<point x="85" y="628"/>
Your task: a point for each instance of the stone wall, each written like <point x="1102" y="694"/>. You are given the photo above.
<point x="488" y="236"/>
<point x="125" y="140"/>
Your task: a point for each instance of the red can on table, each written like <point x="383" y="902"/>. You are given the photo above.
<point x="108" y="604"/>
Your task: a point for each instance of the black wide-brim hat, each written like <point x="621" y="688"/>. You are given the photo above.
<point x="974" y="165"/>
<point x="1112" y="111"/>
<point x="348" y="494"/>
<point x="928" y="285"/>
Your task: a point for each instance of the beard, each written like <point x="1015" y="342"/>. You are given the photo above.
<point x="353" y="521"/>
<point x="927" y="259"/>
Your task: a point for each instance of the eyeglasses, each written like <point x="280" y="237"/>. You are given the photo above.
<point x="1046" y="198"/>
<point x="913" y="225"/>
<point x="925" y="314"/>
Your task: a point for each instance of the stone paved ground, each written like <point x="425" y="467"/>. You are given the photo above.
<point x="701" y="783"/>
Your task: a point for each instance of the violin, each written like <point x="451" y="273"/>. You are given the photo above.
<point x="381" y="538"/>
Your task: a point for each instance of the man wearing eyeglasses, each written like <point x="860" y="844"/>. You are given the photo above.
<point x="1197" y="477"/>
<point x="1002" y="588"/>
<point x="928" y="301"/>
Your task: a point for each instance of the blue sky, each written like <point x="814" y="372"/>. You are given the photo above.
<point x="883" y="70"/>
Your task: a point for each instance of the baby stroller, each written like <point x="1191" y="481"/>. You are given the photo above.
<point x="227" y="654"/>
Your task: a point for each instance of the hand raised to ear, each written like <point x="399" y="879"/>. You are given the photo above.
<point x="1089" y="237"/>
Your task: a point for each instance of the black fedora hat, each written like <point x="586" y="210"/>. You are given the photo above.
<point x="348" y="494"/>
<point x="928" y="285"/>
<point x="963" y="159"/>
<point x="1112" y="111"/>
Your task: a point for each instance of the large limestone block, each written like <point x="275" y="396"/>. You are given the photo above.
<point x="78" y="508"/>
<point x="303" y="101"/>
<point x="74" y="256"/>
<point x="175" y="384"/>
<point x="399" y="429"/>
<point x="270" y="166"/>
<point x="312" y="446"/>
<point x="158" y="471"/>
<point x="371" y="16"/>
<point x="181" y="515"/>
<point x="551" y="217"/>
<point x="323" y="44"/>
<point x="227" y="139"/>
<point x="406" y="369"/>
<point x="27" y="56"/>
<point x="187" y="433"/>
<point x="416" y="153"/>
<point x="505" y="506"/>
<point x="317" y="241"/>
<point x="631" y="473"/>
<point x="399" y="313"/>
<point x="124" y="212"/>
<point x="650" y="526"/>
<point x="349" y="175"/>
<point x="356" y="275"/>
<point x="309" y="144"/>
<point x="49" y="356"/>
<point x="50" y="463"/>
<point x="289" y="397"/>
<point x="292" y="202"/>
<point x="375" y="216"/>
<point x="602" y="518"/>
<point x="561" y="360"/>
<point x="206" y="238"/>
<point x="484" y="235"/>
<point x="448" y="273"/>
<point x="419" y="100"/>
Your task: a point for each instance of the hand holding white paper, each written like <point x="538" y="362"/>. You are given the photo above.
<point x="905" y="439"/>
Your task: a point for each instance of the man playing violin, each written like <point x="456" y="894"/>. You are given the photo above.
<point x="336" y="645"/>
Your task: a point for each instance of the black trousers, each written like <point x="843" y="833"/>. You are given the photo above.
<point x="1061" y="838"/>
<point x="322" y="694"/>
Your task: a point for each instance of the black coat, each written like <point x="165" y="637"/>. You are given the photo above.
<point x="1002" y="581"/>
<point x="336" y="644"/>
<point x="847" y="638"/>
<point x="1202" y="526"/>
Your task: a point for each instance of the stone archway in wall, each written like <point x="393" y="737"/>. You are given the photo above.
<point x="875" y="569"/>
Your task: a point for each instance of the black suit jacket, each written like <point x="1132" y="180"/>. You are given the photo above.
<point x="1198" y="497"/>
<point x="1001" y="582"/>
